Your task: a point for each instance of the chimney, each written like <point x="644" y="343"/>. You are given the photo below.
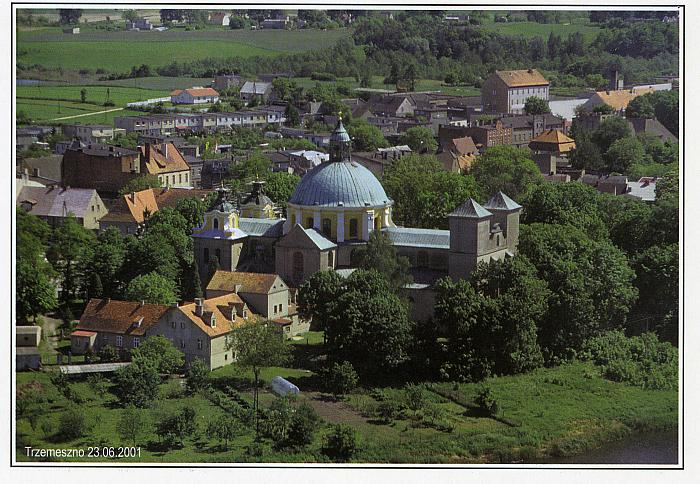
<point x="199" y="306"/>
<point x="165" y="149"/>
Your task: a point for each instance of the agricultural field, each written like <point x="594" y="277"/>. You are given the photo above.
<point x="51" y="103"/>
<point x="119" y="51"/>
<point x="534" y="29"/>
<point x="377" y="83"/>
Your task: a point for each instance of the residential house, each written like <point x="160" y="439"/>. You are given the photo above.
<point x="526" y="127"/>
<point x="194" y="95"/>
<point x="304" y="160"/>
<point x="22" y="180"/>
<point x="275" y="23"/>
<point x="89" y="133"/>
<point x="108" y="168"/>
<point x="139" y="24"/>
<point x="54" y="204"/>
<point x="458" y="154"/>
<point x="483" y="136"/>
<point x="27" y="347"/>
<point x="507" y="91"/>
<point x="121" y="324"/>
<point x="550" y="150"/>
<point x="256" y="90"/>
<point x="45" y="169"/>
<point x="220" y="18"/>
<point x="201" y="329"/>
<point x="265" y="294"/>
<point x="393" y="106"/>
<point x="129" y="212"/>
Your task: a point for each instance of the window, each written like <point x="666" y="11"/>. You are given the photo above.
<point x="186" y="177"/>
<point x="326" y="227"/>
<point x="182" y="325"/>
<point x="330" y="259"/>
<point x="199" y="344"/>
<point x="309" y="222"/>
<point x="226" y="357"/>
<point x="136" y="342"/>
<point x="120" y="340"/>
<point x="179" y="177"/>
<point x="245" y="313"/>
<point x="182" y="343"/>
<point x="353" y="228"/>
<point x="298" y="266"/>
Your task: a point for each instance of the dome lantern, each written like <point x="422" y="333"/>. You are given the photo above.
<point x="339" y="143"/>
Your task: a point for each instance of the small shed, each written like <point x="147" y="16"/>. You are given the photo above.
<point x="28" y="336"/>
<point x="82" y="341"/>
<point x="283" y="387"/>
<point x="28" y="358"/>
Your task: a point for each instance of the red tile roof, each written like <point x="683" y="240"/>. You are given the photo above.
<point x="83" y="333"/>
<point x="121" y="317"/>
<point x="253" y="282"/>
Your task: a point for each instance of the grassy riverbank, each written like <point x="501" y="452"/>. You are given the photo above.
<point x="551" y="412"/>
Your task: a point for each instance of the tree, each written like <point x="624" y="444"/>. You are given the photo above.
<point x="280" y="186"/>
<point x="71" y="246"/>
<point x="132" y="424"/>
<point x="317" y="297"/>
<point x="369" y="326"/>
<point x="224" y="428"/>
<point x="83" y="95"/>
<point x="255" y="165"/>
<point x="160" y="352"/>
<point x="258" y="344"/>
<point x="130" y="15"/>
<point x="640" y="107"/>
<point x="94" y="289"/>
<point x="610" y="130"/>
<point x="365" y="137"/>
<point x="623" y="153"/>
<point x="69" y="16"/>
<point x="410" y="76"/>
<point x="291" y="115"/>
<point x="175" y="428"/>
<point x="108" y="354"/>
<point x="72" y="424"/>
<point x="137" y="384"/>
<point x="198" y="377"/>
<point x="303" y="426"/>
<point x="341" y="444"/>
<point x="192" y="284"/>
<point x="536" y="105"/>
<point x="566" y="203"/>
<point x="507" y="169"/>
<point x="587" y="156"/>
<point x="380" y="254"/>
<point x="192" y="210"/>
<point x="586" y="300"/>
<point x="141" y="183"/>
<point x="419" y="139"/>
<point x="171" y="15"/>
<point x="423" y="193"/>
<point x="153" y="288"/>
<point x="603" y="109"/>
<point x="341" y="378"/>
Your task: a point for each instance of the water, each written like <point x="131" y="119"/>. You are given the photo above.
<point x="642" y="448"/>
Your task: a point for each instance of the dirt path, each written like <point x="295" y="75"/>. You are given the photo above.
<point x="87" y="114"/>
<point x="334" y="412"/>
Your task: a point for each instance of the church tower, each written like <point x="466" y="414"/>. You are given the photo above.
<point x="470" y="226"/>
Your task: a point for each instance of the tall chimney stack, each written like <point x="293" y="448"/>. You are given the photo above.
<point x="199" y="306"/>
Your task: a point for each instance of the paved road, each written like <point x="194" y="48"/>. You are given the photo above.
<point x="87" y="114"/>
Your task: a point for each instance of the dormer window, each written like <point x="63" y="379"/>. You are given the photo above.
<point x="213" y="321"/>
<point x="245" y="313"/>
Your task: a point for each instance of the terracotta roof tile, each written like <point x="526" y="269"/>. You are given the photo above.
<point x="218" y="307"/>
<point x="122" y="317"/>
<point x="619" y="100"/>
<point x="552" y="140"/>
<point x="156" y="162"/>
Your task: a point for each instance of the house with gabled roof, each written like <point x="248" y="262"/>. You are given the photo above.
<point x="121" y="324"/>
<point x="194" y="95"/>
<point x="256" y="89"/>
<point x="266" y="294"/>
<point x="302" y="252"/>
<point x="54" y="204"/>
<point x="201" y="329"/>
<point x="507" y="91"/>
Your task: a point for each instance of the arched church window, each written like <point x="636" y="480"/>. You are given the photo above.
<point x="309" y="222"/>
<point x="326" y="227"/>
<point x="216" y="223"/>
<point x="353" y="228"/>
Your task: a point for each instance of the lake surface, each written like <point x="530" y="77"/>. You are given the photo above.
<point x="642" y="448"/>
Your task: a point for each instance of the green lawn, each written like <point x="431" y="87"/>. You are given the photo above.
<point x="43" y="111"/>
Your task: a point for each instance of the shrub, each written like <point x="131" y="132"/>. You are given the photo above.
<point x="415" y="397"/>
<point x="172" y="429"/>
<point x="98" y="384"/>
<point x="341" y="378"/>
<point x="389" y="410"/>
<point x="173" y="390"/>
<point x="303" y="426"/>
<point x="486" y="402"/>
<point x="72" y="425"/>
<point x="46" y="428"/>
<point x="341" y="444"/>
<point x="197" y="376"/>
<point x="108" y="354"/>
<point x="137" y="384"/>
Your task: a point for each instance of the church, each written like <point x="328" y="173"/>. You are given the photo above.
<point x="332" y="212"/>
